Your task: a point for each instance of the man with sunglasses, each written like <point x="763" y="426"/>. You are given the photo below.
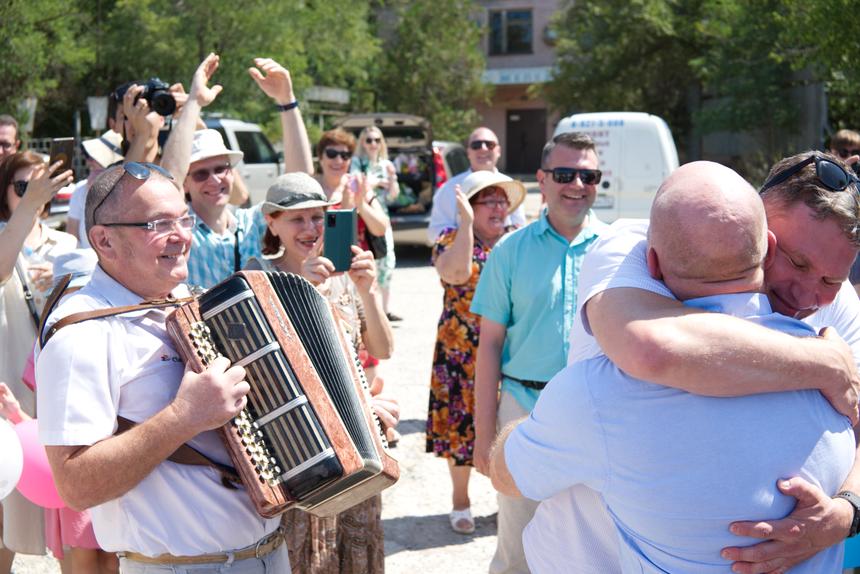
<point x="9" y="142"/>
<point x="813" y="212"/>
<point x="122" y="369"/>
<point x="483" y="151"/>
<point x="526" y="298"/>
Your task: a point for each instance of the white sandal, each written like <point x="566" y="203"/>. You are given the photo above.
<point x="458" y="517"/>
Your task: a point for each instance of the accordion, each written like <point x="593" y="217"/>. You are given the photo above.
<point x="308" y="437"/>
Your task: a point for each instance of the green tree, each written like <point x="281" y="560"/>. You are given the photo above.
<point x="44" y="48"/>
<point x="433" y="65"/>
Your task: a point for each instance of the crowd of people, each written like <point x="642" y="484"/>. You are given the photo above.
<point x="607" y="378"/>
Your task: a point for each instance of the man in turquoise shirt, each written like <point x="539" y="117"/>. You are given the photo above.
<point x="526" y="298"/>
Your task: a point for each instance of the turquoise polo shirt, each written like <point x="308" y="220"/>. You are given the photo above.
<point x="529" y="284"/>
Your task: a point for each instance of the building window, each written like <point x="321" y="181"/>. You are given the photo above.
<point x="510" y="32"/>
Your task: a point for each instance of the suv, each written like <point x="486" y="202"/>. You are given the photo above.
<point x="261" y="165"/>
<point x="423" y="165"/>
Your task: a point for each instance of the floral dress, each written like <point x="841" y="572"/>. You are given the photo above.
<point x="450" y="418"/>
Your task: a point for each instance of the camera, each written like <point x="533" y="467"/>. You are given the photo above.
<point x="156" y="94"/>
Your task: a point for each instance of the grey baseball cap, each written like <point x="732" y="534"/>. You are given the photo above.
<point x="294" y="191"/>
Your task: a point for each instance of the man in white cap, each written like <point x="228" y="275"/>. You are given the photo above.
<point x="100" y="152"/>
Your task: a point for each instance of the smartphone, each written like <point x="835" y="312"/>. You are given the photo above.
<point x="62" y="149"/>
<point x="340" y="234"/>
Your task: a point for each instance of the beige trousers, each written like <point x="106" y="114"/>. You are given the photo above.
<point x="514" y="512"/>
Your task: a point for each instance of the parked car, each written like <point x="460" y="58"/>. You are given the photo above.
<point x="637" y="153"/>
<point x="423" y="165"/>
<point x="261" y="164"/>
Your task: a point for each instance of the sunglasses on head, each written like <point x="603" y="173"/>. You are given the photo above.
<point x="20" y="187"/>
<point x="845" y="153"/>
<point x="140" y="171"/>
<point x="478" y="144"/>
<point x="830" y="174"/>
<point x="370" y="140"/>
<point x="568" y="174"/>
<point x="333" y="153"/>
<point x="202" y="174"/>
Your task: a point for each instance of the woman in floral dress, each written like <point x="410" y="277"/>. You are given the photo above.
<point x="483" y="203"/>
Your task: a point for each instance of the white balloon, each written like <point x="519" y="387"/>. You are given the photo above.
<point x="11" y="459"/>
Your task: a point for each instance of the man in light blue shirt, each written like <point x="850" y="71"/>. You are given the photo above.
<point x="675" y="469"/>
<point x="526" y="298"/>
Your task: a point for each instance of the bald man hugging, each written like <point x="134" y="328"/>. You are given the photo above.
<point x="674" y="469"/>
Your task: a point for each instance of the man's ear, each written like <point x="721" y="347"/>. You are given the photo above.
<point x="771" y="249"/>
<point x="101" y="241"/>
<point x="654" y="264"/>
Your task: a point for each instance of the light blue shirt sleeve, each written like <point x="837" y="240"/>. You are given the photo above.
<point x="493" y="294"/>
<point x="561" y="443"/>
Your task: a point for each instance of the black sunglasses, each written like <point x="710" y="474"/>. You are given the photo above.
<point x="140" y="171"/>
<point x="333" y="153"/>
<point x="830" y="174"/>
<point x="369" y="140"/>
<point x="20" y="187"/>
<point x="478" y="144"/>
<point x="845" y="153"/>
<point x="568" y="174"/>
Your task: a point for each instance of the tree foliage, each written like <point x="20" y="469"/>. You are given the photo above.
<point x="433" y="65"/>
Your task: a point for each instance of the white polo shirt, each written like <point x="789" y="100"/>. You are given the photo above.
<point x="91" y="372"/>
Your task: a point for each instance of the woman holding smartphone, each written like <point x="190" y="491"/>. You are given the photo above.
<point x="372" y="160"/>
<point x="295" y="206"/>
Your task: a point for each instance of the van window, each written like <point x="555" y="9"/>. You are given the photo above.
<point x="256" y="148"/>
<point x="457" y="160"/>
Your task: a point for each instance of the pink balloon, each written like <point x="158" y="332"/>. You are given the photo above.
<point x="37" y="482"/>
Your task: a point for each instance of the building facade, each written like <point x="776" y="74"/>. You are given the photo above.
<point x="520" y="51"/>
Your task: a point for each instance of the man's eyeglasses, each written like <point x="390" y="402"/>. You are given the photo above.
<point x="845" y="153"/>
<point x="568" y="174"/>
<point x="494" y="203"/>
<point x="478" y="144"/>
<point x="830" y="174"/>
<point x="369" y="141"/>
<point x="140" y="171"/>
<point x="333" y="153"/>
<point x="202" y="174"/>
<point x="20" y="187"/>
<point x="160" y="226"/>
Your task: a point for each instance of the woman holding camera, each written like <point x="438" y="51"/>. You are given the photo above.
<point x="459" y="256"/>
<point x="352" y="541"/>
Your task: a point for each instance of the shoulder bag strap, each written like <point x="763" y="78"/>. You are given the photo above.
<point x="28" y="295"/>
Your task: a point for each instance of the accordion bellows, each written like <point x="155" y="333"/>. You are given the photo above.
<point x="308" y="437"/>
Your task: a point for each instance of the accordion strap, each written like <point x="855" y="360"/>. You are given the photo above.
<point x="187" y="454"/>
<point x="109" y="312"/>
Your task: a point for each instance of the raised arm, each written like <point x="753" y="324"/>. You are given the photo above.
<point x="276" y="83"/>
<point x="376" y="331"/>
<point x="141" y="126"/>
<point x="177" y="150"/>
<point x="455" y="264"/>
<point x="660" y="340"/>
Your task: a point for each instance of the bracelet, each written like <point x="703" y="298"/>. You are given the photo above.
<point x="287" y="107"/>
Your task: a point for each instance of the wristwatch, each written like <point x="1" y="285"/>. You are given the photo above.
<point x="855" y="502"/>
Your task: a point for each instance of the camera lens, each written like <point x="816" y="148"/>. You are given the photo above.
<point x="162" y="103"/>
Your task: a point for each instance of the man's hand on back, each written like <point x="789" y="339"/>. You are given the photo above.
<point x="816" y="523"/>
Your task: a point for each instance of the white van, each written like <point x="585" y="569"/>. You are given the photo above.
<point x="636" y="154"/>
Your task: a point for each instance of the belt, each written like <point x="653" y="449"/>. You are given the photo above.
<point x="264" y="546"/>
<point x="538" y="385"/>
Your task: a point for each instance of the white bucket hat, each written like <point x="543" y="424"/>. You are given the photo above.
<point x="106" y="149"/>
<point x="479" y="180"/>
<point x="209" y="143"/>
<point x="294" y="191"/>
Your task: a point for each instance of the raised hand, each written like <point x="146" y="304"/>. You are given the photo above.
<point x="200" y="90"/>
<point x="9" y="407"/>
<point x="464" y="208"/>
<point x="42" y="186"/>
<point x="208" y="400"/>
<point x="273" y="79"/>
<point x="142" y="121"/>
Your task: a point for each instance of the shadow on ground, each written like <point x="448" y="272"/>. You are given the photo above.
<point x="434" y="531"/>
